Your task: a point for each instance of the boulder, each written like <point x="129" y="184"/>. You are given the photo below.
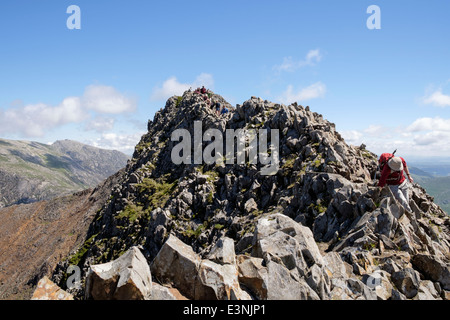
<point x="284" y="249"/>
<point x="47" y="290"/>
<point x="282" y="286"/>
<point x="253" y="275"/>
<point x="427" y="291"/>
<point x="379" y="281"/>
<point x="292" y="242"/>
<point x="160" y="292"/>
<point x="250" y="205"/>
<point x="319" y="281"/>
<point x="126" y="278"/>
<point x="335" y="266"/>
<point x="223" y="252"/>
<point x="407" y="281"/>
<point x="433" y="268"/>
<point x="218" y="282"/>
<point x="360" y="290"/>
<point x="177" y="264"/>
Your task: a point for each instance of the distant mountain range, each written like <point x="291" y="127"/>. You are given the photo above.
<point x="32" y="171"/>
<point x="436" y="186"/>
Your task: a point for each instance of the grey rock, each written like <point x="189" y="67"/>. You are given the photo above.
<point x="126" y="278"/>
<point x="319" y="281"/>
<point x="218" y="282"/>
<point x="323" y="183"/>
<point x="160" y="292"/>
<point x="282" y="286"/>
<point x="407" y="282"/>
<point x="253" y="275"/>
<point x="335" y="266"/>
<point x="427" y="291"/>
<point x="433" y="268"/>
<point x="361" y="290"/>
<point x="250" y="205"/>
<point x="299" y="247"/>
<point x="223" y="252"/>
<point x="177" y="264"/>
<point x="380" y="282"/>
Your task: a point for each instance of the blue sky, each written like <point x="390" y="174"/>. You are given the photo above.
<point x="387" y="88"/>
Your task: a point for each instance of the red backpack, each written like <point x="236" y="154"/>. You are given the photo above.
<point x="384" y="158"/>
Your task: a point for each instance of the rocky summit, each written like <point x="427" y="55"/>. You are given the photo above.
<point x="316" y="228"/>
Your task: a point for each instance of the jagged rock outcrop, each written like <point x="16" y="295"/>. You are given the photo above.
<point x="317" y="228"/>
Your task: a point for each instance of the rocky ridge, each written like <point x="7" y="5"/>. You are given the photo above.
<point x="317" y="229"/>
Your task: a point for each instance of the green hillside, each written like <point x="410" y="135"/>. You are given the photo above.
<point x="438" y="187"/>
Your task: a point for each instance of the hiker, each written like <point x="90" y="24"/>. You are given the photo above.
<point x="224" y="110"/>
<point x="203" y="90"/>
<point x="392" y="169"/>
<point x="218" y="106"/>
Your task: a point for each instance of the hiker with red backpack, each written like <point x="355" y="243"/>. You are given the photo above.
<point x="392" y="169"/>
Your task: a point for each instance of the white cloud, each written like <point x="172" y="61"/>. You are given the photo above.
<point x="374" y="129"/>
<point x="430" y="131"/>
<point x="100" y="124"/>
<point x="172" y="86"/>
<point x="438" y="99"/>
<point x="106" y="99"/>
<point x="121" y="142"/>
<point x="316" y="90"/>
<point x="426" y="124"/>
<point x="424" y="137"/>
<point x="432" y="138"/>
<point x="34" y="120"/>
<point x="352" y="136"/>
<point x="289" y="65"/>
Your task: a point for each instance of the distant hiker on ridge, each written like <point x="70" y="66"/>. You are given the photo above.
<point x="392" y="175"/>
<point x="224" y="110"/>
<point x="217" y="105"/>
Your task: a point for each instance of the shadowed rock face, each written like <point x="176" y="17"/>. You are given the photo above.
<point x="315" y="229"/>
